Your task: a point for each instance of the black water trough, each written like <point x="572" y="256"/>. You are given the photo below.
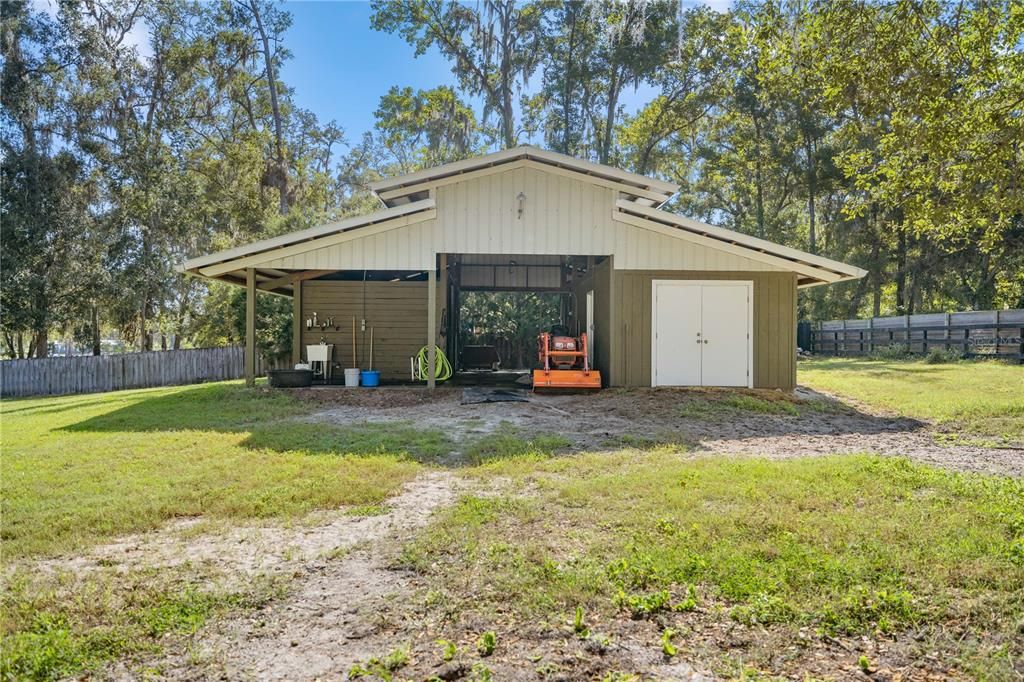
<point x="290" y="378"/>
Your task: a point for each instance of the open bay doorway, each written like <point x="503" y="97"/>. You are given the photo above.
<point x="498" y="332"/>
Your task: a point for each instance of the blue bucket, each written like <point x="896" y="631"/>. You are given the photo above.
<point x="370" y="377"/>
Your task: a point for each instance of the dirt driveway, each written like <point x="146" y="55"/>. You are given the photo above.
<point x="761" y="423"/>
<point x="346" y="604"/>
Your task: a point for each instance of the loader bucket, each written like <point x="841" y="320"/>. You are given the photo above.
<point x="566" y="379"/>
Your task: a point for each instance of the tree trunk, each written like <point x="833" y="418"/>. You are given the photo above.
<point x="97" y="347"/>
<point x="42" y="343"/>
<point x="758" y="179"/>
<point x="901" y="270"/>
<point x="811" y="190"/>
<point x="609" y="118"/>
<point x="281" y="170"/>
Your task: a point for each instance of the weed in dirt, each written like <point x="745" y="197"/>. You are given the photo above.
<point x="667" y="647"/>
<point x="487" y="642"/>
<point x="481" y="673"/>
<point x="579" y="625"/>
<point x="382" y="667"/>
<point x="847" y="545"/>
<point x="448" y="649"/>
<point x="724" y="405"/>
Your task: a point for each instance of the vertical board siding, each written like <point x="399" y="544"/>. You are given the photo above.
<point x="396" y="310"/>
<point x="561" y="216"/>
<point x="774" y="324"/>
<point x="97" y="374"/>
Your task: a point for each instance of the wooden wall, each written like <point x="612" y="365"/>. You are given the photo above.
<point x="599" y="279"/>
<point x="774" y="325"/>
<point x="396" y="310"/>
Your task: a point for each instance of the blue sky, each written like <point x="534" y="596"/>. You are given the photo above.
<point x="341" y="67"/>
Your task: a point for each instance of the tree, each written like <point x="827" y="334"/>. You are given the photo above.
<point x="426" y="128"/>
<point x="493" y="46"/>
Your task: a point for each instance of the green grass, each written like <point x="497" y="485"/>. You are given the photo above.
<point x="853" y="544"/>
<point x="78" y="469"/>
<point x="979" y="397"/>
<point x="509" y="442"/>
<point x="53" y="631"/>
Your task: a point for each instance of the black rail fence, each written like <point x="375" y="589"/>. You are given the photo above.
<point x="976" y="333"/>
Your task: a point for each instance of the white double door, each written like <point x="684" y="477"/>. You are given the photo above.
<point x="701" y="333"/>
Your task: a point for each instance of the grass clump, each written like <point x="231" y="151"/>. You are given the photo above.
<point x="727" y="404"/>
<point x="49" y="633"/>
<point x="381" y="667"/>
<point x="508" y="442"/>
<point x="77" y="469"/>
<point x="977" y="397"/>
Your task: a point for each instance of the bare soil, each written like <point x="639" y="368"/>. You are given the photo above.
<point x="612" y="419"/>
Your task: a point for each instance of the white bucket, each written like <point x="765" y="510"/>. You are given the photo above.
<point x="352" y="377"/>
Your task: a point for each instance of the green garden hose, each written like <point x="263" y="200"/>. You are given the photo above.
<point x="442" y="368"/>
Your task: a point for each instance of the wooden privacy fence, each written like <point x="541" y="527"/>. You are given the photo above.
<point x="991" y="333"/>
<point x="93" y="374"/>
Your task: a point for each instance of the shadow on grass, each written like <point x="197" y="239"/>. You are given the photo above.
<point x="610" y="420"/>
<point x="272" y="420"/>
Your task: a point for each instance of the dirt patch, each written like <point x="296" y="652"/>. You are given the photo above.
<point x="239" y="552"/>
<point x="770" y="424"/>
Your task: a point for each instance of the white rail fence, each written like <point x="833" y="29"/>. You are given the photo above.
<point x="94" y="374"/>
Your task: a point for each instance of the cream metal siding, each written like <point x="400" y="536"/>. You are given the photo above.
<point x="774" y="325"/>
<point x="561" y="215"/>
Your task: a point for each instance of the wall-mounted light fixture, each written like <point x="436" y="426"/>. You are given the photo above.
<point x="521" y="198"/>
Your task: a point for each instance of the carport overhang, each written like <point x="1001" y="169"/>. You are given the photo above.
<point x="233" y="265"/>
<point x="247" y="266"/>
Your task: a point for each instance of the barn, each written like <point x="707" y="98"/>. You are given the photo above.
<point x="666" y="301"/>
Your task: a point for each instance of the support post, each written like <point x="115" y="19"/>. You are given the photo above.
<point x="297" y="322"/>
<point x="431" y="326"/>
<point x="250" y="327"/>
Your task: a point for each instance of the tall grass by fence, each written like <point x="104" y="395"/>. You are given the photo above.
<point x="94" y="374"/>
<point x="989" y="333"/>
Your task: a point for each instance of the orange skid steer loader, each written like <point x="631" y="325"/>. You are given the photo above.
<point x="565" y="362"/>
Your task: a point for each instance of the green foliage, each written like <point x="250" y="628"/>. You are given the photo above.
<point x="510" y="321"/>
<point x="667" y="647"/>
<point x="48" y="636"/>
<point x="508" y="442"/>
<point x="448" y="649"/>
<point x="894" y="351"/>
<point x="487" y="642"/>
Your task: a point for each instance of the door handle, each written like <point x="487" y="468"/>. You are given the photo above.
<point x="705" y="341"/>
